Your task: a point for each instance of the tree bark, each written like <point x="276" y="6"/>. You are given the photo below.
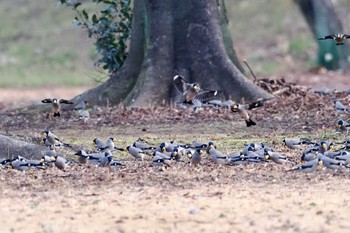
<point x="187" y="37"/>
<point x="323" y="20"/>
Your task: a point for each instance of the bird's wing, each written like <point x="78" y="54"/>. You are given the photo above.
<point x="180" y="84"/>
<point x="327" y="37"/>
<point x="206" y="95"/>
<point x="63" y="101"/>
<point x="47" y="101"/>
<point x="346" y="36"/>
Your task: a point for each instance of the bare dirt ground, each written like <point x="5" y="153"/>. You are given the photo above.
<point x="147" y="198"/>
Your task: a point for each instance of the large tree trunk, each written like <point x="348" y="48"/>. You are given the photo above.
<point x="187" y="37"/>
<point x="323" y="20"/>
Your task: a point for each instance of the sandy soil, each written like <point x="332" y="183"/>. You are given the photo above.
<point x="209" y="199"/>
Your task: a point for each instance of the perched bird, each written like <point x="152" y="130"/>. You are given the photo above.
<point x="46" y="142"/>
<point x="341" y="108"/>
<point x="255" y="157"/>
<point x="339" y="38"/>
<point x="143" y="146"/>
<point x="343" y="125"/>
<point x="22" y="164"/>
<point x="308" y="166"/>
<point x="60" y="162"/>
<point x="83" y="157"/>
<point x="176" y="155"/>
<point x="52" y="139"/>
<point x="100" y="159"/>
<point x="276" y="157"/>
<point x="325" y="146"/>
<point x="294" y="143"/>
<point x="104" y="160"/>
<point x="84" y="115"/>
<point x="109" y="146"/>
<point x="331" y="163"/>
<point x="162" y="158"/>
<point x="136" y="152"/>
<point x="196" y="144"/>
<point x="56" y="105"/>
<point x="309" y="155"/>
<point x="196" y="157"/>
<point x="344" y="157"/>
<point x="216" y="156"/>
<point x="237" y="158"/>
<point x="193" y="91"/>
<point x="82" y="105"/>
<point x="242" y="110"/>
<point x="256" y="145"/>
<point x="99" y="143"/>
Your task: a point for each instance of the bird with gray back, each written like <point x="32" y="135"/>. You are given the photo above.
<point x="84" y="116"/>
<point x="104" y="161"/>
<point x="100" y="145"/>
<point x="343" y="157"/>
<point x="309" y="155"/>
<point x="295" y="143"/>
<point x="136" y="152"/>
<point x="60" y="162"/>
<point x="331" y="163"/>
<point x="143" y="146"/>
<point x="82" y="156"/>
<point x="52" y="139"/>
<point x="216" y="156"/>
<point x="196" y="158"/>
<point x="343" y="126"/>
<point x="276" y="157"/>
<point x="308" y="167"/>
<point x="341" y="108"/>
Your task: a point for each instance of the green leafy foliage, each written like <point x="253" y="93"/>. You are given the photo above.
<point x="109" y="26"/>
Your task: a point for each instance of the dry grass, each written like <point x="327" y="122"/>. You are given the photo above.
<point x="147" y="198"/>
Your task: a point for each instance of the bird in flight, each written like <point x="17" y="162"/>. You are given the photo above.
<point x="339" y="38"/>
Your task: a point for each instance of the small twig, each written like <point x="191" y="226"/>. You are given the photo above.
<point x="281" y="91"/>
<point x="250" y="69"/>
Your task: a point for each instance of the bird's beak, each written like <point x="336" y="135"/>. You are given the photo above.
<point x="331" y="147"/>
<point x="53" y="159"/>
<point x="283" y="144"/>
<point x="267" y="157"/>
<point x="42" y="160"/>
<point x="339" y="126"/>
<point x="324" y="146"/>
<point x="44" y="134"/>
<point x="42" y="142"/>
<point x="320" y="162"/>
<point x="195" y="88"/>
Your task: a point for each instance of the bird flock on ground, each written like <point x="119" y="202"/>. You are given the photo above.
<point x="313" y="154"/>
